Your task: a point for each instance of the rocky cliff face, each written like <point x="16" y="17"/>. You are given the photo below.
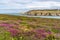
<point x="43" y="13"/>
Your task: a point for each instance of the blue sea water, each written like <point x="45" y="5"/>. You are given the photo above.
<point x="20" y="14"/>
<point x="3" y="11"/>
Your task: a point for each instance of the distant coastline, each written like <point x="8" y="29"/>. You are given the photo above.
<point x="46" y="12"/>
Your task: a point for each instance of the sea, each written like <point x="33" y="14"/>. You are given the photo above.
<point x="18" y="13"/>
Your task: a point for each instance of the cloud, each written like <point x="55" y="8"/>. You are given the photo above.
<point x="49" y="0"/>
<point x="28" y="4"/>
<point x="42" y="5"/>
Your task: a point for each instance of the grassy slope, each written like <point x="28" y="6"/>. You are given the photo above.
<point x="35" y="22"/>
<point x="53" y="24"/>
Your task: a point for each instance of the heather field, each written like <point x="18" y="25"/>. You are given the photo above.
<point x="28" y="28"/>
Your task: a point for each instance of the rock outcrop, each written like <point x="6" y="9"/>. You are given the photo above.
<point x="43" y="13"/>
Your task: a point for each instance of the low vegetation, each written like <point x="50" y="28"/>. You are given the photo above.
<point x="28" y="28"/>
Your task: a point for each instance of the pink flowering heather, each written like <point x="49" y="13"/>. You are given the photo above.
<point x="41" y="33"/>
<point x="5" y="25"/>
<point x="8" y="25"/>
<point x="14" y="32"/>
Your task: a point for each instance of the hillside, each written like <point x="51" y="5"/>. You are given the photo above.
<point x="28" y="28"/>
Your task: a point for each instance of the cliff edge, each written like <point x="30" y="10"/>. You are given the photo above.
<point x="43" y="13"/>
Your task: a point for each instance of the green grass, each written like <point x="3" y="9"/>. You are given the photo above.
<point x="28" y="22"/>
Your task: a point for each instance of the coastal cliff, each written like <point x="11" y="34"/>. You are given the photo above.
<point x="43" y="13"/>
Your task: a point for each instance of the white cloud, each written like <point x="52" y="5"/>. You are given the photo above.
<point x="30" y="4"/>
<point x="47" y="4"/>
<point x="23" y="1"/>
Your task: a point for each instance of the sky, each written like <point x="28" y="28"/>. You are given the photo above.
<point x="13" y="6"/>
